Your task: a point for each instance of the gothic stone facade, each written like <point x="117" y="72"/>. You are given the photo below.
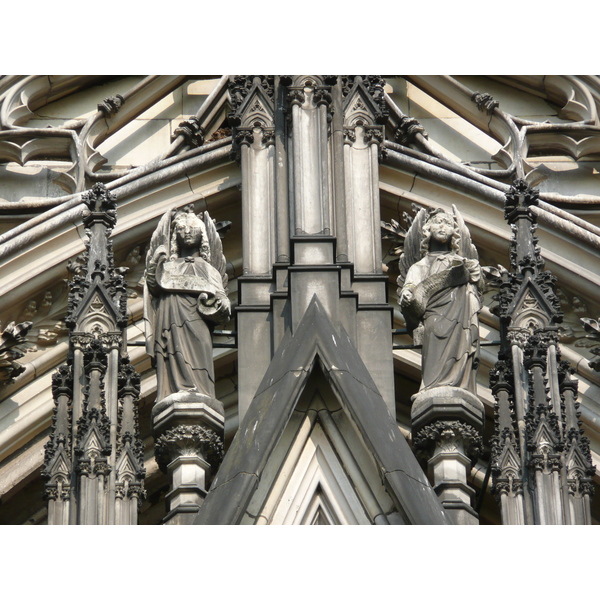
<point x="313" y="183"/>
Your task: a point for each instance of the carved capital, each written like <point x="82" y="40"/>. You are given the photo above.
<point x="59" y="490"/>
<point x="244" y="136"/>
<point x="130" y="489"/>
<point x="268" y="137"/>
<point x="349" y="136"/>
<point x="188" y="440"/>
<point x="111" y="341"/>
<point x="93" y="467"/>
<point x="518" y="337"/>
<point x="511" y="486"/>
<point x="296" y="96"/>
<point x="322" y="95"/>
<point x="545" y="462"/>
<point x="580" y="486"/>
<point x="374" y="135"/>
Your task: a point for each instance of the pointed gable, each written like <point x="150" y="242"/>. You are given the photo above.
<point x="317" y="340"/>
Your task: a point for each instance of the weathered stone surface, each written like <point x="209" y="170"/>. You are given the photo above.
<point x="271" y="409"/>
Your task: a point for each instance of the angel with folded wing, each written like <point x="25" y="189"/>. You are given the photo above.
<point x="185" y="296"/>
<point x="439" y="293"/>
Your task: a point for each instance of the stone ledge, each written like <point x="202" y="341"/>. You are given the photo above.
<point x="446" y="403"/>
<point x="187" y="408"/>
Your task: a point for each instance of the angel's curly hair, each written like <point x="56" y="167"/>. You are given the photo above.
<point x="183" y="216"/>
<point x="426" y="232"/>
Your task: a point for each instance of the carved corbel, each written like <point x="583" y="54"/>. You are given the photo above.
<point x="448" y="436"/>
<point x="188" y="453"/>
<point x="186" y="441"/>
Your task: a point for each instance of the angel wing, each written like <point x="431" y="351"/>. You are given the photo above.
<point x="160" y="237"/>
<point x="467" y="249"/>
<point x="217" y="259"/>
<point x="412" y="246"/>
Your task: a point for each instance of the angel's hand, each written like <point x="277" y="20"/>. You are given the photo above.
<point x="406" y="296"/>
<point x="225" y="307"/>
<point x="474" y="270"/>
<point x="457" y="260"/>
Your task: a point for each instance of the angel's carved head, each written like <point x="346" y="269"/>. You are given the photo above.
<point x="189" y="235"/>
<point x="442" y="227"/>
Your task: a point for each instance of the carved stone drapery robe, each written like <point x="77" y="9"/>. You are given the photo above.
<point x="182" y="344"/>
<point x="450" y="326"/>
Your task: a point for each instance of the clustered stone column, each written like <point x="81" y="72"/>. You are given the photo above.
<point x="303" y="206"/>
<point x="541" y="461"/>
<point x="94" y="461"/>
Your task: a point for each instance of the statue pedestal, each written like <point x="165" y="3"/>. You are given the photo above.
<point x="447" y="423"/>
<point x="188" y="431"/>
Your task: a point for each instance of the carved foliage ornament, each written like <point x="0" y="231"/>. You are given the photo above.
<point x="426" y="439"/>
<point x="10" y="339"/>
<point x="188" y="440"/>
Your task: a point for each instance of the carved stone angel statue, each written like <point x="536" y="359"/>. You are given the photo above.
<point x="439" y="294"/>
<point x="185" y="295"/>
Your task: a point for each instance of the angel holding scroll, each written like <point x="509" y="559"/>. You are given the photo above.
<point x="439" y="292"/>
<point x="185" y="295"/>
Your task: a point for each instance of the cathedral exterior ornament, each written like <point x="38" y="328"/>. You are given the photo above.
<point x="407" y="130"/>
<point x="485" y="102"/>
<point x="192" y="132"/>
<point x="538" y="442"/>
<point x="10" y="339"/>
<point x="185" y="296"/>
<point x="111" y="105"/>
<point x="94" y="462"/>
<point x="439" y="290"/>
